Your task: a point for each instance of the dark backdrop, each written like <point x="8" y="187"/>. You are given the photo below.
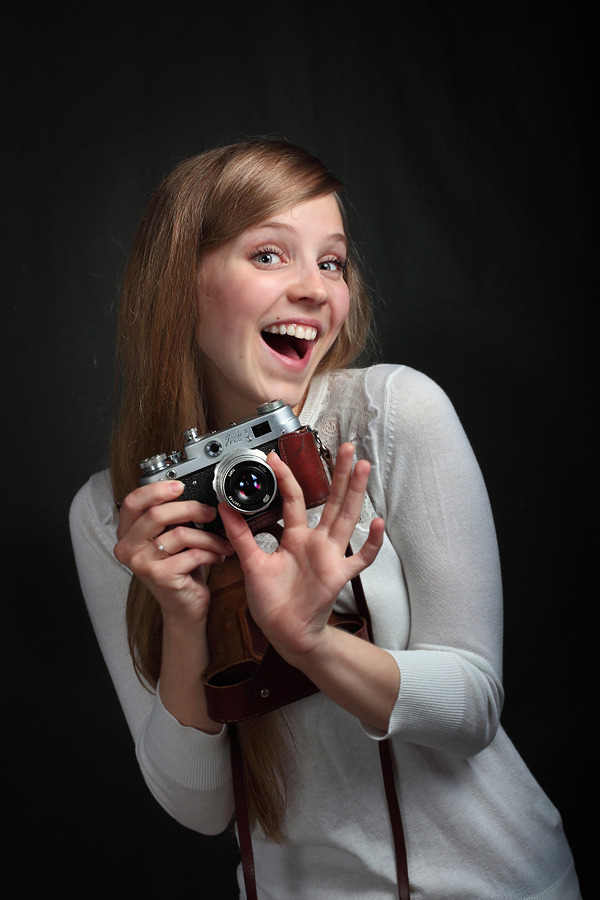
<point x="463" y="132"/>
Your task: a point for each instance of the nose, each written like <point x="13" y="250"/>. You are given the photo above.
<point x="308" y="286"/>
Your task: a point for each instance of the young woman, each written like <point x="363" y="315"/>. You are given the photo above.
<point x="242" y="287"/>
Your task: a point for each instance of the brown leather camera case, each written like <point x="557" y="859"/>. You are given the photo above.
<point x="246" y="677"/>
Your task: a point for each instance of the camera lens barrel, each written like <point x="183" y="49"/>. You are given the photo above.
<point x="245" y="481"/>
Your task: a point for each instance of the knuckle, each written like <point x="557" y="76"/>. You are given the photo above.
<point x="196" y="511"/>
<point x="128" y="504"/>
<point x="124" y="555"/>
<point x="182" y="536"/>
<point x="119" y="552"/>
<point x="155" y="516"/>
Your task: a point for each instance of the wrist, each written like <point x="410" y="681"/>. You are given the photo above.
<point x="185" y="620"/>
<point x="357" y="675"/>
<point x="184" y="644"/>
<point x="311" y="652"/>
<point x="184" y="659"/>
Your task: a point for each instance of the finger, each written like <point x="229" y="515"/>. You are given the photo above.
<point x="179" y="580"/>
<point x="294" y="507"/>
<point x="367" y="554"/>
<point x="348" y="487"/>
<point x="240" y="536"/>
<point x="183" y="537"/>
<point x="355" y="491"/>
<point x="143" y="498"/>
<point x="339" y="484"/>
<point x="165" y="569"/>
<point x="157" y="520"/>
<point x="161" y="548"/>
<point x="173" y="555"/>
<point x="146" y="522"/>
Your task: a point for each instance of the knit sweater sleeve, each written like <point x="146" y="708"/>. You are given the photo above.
<point x="187" y="771"/>
<point x="434" y="592"/>
<point x="428" y="487"/>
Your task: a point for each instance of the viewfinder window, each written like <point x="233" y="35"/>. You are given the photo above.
<point x="261" y="429"/>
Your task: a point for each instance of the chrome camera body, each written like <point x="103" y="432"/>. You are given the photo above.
<point x="229" y="465"/>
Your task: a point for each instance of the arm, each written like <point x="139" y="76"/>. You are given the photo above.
<point x="172" y="570"/>
<point x="292" y="591"/>
<point x="427" y="484"/>
<point x="434" y="591"/>
<point x="187" y="770"/>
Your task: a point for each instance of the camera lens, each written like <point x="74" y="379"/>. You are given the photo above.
<point x="245" y="482"/>
<point x="248" y="486"/>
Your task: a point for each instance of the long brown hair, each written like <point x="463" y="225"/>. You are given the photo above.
<point x="205" y="202"/>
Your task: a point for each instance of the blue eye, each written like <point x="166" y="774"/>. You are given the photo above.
<point x="332" y="265"/>
<point x="267" y="256"/>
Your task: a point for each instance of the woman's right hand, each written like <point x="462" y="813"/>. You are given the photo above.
<point x="149" y="521"/>
<point x="166" y="554"/>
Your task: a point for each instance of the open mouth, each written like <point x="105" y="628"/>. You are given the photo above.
<point x="291" y="341"/>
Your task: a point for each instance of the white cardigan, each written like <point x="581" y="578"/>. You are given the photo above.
<point x="477" y="824"/>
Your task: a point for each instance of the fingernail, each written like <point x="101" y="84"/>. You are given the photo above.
<point x="176" y="487"/>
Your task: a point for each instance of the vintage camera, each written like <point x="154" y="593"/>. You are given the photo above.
<point x="231" y="465"/>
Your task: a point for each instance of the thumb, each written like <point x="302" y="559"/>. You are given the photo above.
<point x="238" y="532"/>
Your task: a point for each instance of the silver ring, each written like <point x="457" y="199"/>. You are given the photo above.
<point x="160" y="546"/>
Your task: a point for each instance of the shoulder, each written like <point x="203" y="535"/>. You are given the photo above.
<point x="93" y="516"/>
<point x="405" y="385"/>
<point x="388" y="397"/>
<point x="407" y="397"/>
<point x="94" y="499"/>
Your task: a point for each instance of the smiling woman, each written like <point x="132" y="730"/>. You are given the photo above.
<point x="242" y="288"/>
<point x="283" y="277"/>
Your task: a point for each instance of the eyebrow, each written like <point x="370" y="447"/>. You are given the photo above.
<point x="336" y="236"/>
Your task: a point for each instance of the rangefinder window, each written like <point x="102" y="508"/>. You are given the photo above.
<point x="261" y="429"/>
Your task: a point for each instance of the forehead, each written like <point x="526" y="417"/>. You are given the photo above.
<point x="320" y="215"/>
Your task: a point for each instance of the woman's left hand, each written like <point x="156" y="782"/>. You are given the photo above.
<point x="291" y="592"/>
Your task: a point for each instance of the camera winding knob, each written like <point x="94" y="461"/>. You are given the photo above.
<point x="155" y="464"/>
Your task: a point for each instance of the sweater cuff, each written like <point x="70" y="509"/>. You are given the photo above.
<point x="192" y="758"/>
<point x="430" y="706"/>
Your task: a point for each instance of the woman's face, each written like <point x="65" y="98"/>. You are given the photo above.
<point x="272" y="302"/>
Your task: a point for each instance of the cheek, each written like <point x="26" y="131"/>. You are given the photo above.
<point x="341" y="308"/>
<point x="217" y="313"/>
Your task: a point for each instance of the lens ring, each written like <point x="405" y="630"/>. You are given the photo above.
<point x="245" y="481"/>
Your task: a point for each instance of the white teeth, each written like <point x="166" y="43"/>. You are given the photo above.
<point x="306" y="332"/>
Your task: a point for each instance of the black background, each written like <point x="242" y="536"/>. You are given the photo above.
<point x="464" y="135"/>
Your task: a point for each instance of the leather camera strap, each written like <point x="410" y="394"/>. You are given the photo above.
<point x="387" y="767"/>
<point x="241" y="813"/>
<point x="387" y="770"/>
